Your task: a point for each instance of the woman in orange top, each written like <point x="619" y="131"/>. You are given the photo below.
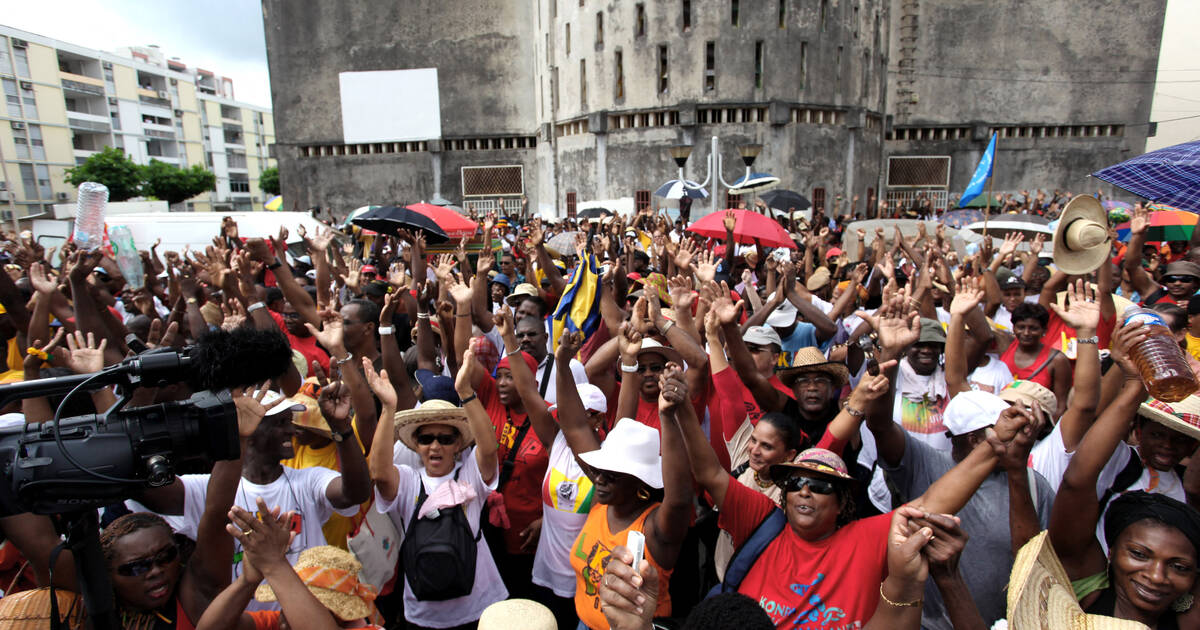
<point x="636" y="489"/>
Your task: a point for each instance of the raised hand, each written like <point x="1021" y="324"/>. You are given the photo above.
<point x="380" y="384"/>
<point x="629" y="342"/>
<point x="1011" y="240"/>
<point x="725" y="310"/>
<point x="1080" y="311"/>
<point x="1035" y="247"/>
<point x="1124" y="339"/>
<point x="265" y="537"/>
<point x="706" y="266"/>
<point x="250" y="410"/>
<point x="968" y="296"/>
<point x="684" y="254"/>
<point x="673" y="389"/>
<point x="397" y="274"/>
<point x="1140" y="222"/>
<point x="444" y="268"/>
<point x="461" y="292"/>
<point x="332" y="332"/>
<point x="569" y="345"/>
<point x="729" y="221"/>
<point x="503" y="320"/>
<point x="680" y="290"/>
<point x="871" y="387"/>
<point x="463" y="380"/>
<point x="334" y="402"/>
<point x="40" y="279"/>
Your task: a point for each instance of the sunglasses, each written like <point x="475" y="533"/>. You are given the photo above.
<point x="165" y="556"/>
<point x="817" y="486"/>
<point x="653" y="368"/>
<point x="445" y="439"/>
<point x="1179" y="279"/>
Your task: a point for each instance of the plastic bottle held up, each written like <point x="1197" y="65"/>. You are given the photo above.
<point x="91" y="207"/>
<point x="128" y="258"/>
<point x="1159" y="359"/>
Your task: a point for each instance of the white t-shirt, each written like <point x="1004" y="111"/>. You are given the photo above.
<point x="992" y="377"/>
<point x="489" y="587"/>
<point x="296" y="490"/>
<point x="566" y="502"/>
<point x="578" y="374"/>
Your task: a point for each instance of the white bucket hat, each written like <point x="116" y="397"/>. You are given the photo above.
<point x="631" y="448"/>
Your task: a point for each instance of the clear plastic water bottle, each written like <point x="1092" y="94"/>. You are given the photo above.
<point x="89" y="215"/>
<point x="128" y="258"/>
<point x="1159" y="359"/>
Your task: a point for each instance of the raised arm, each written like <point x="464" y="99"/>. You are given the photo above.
<point x="277" y="263"/>
<point x="393" y="359"/>
<point x="572" y="415"/>
<point x="331" y="337"/>
<point x="527" y="388"/>
<point x="898" y="327"/>
<point x="673" y="516"/>
<point x="1083" y="314"/>
<point x="965" y="300"/>
<point x="630" y="342"/>
<point x="1139" y="225"/>
<point x="353" y="487"/>
<point x="481" y="425"/>
<point x="379" y="461"/>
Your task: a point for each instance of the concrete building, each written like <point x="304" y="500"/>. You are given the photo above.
<point x="66" y="102"/>
<point x="569" y="101"/>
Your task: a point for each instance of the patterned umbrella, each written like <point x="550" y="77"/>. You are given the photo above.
<point x="1170" y="175"/>
<point x="1165" y="225"/>
<point x="274" y="204"/>
<point x="675" y="189"/>
<point x="961" y="218"/>
<point x="456" y="225"/>
<point x="391" y="219"/>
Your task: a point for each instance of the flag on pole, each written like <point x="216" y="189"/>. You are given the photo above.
<point x="579" y="307"/>
<point x="982" y="173"/>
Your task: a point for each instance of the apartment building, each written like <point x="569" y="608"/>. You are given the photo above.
<point x="66" y="102"/>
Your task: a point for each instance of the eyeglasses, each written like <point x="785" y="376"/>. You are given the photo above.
<point x="653" y="368"/>
<point x="817" y="486"/>
<point x="165" y="556"/>
<point x="445" y="439"/>
<point x="1179" y="279"/>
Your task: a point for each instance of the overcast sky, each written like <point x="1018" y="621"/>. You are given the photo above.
<point x="226" y="36"/>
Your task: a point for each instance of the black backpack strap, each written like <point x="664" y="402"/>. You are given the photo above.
<point x="748" y="553"/>
<point x="1045" y="363"/>
<point x="509" y="463"/>
<point x="545" y="384"/>
<point x="1124" y="479"/>
<point x="737" y="472"/>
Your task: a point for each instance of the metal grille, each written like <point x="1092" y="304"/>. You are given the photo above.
<point x="818" y="199"/>
<point x="493" y="180"/>
<point x="918" y="172"/>
<point x="572" y="202"/>
<point x="898" y="200"/>
<point x="641" y="200"/>
<point x="506" y="206"/>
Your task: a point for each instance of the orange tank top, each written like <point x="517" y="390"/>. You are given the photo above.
<point x="589" y="556"/>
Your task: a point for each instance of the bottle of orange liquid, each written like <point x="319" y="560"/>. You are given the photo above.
<point x="1159" y="359"/>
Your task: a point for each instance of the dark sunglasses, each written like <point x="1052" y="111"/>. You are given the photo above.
<point x="1179" y="279"/>
<point x="141" y="567"/>
<point x="818" y="486"/>
<point x="653" y="368"/>
<point x="445" y="439"/>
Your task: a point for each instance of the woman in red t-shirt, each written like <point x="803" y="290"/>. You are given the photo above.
<point x="823" y="568"/>
<point x="1030" y="358"/>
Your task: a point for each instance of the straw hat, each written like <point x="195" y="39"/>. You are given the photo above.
<point x="819" y="461"/>
<point x="1027" y="392"/>
<point x="1040" y="594"/>
<point x="631" y="448"/>
<point x="30" y="610"/>
<point x="811" y="359"/>
<point x="652" y="346"/>
<point x="1081" y="241"/>
<point x="432" y="412"/>
<point x="522" y="291"/>
<point x="517" y="613"/>
<point x="1182" y="416"/>
<point x="331" y="575"/>
<point x="818" y="279"/>
<point x="311" y="417"/>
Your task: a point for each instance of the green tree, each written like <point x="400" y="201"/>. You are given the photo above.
<point x="268" y="181"/>
<point x="112" y="168"/>
<point x="173" y="184"/>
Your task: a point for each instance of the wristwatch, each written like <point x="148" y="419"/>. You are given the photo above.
<point x="1092" y="340"/>
<point x="275" y="265"/>
<point x="341" y="437"/>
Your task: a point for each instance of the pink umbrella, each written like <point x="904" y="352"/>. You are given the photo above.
<point x="455" y="225"/>
<point x="749" y="226"/>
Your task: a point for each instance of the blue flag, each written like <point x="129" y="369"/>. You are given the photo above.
<point x="579" y="307"/>
<point x="982" y="173"/>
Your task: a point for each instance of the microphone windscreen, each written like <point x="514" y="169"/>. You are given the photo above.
<point x="238" y="358"/>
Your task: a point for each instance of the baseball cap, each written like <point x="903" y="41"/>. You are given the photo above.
<point x="783" y="316"/>
<point x="593" y="399"/>
<point x="1011" y="281"/>
<point x="931" y="331"/>
<point x="972" y="410"/>
<point x="762" y="336"/>
<point x="818" y="279"/>
<point x="368" y="269"/>
<point x="1025" y="393"/>
<point x="437" y="387"/>
<point x="276" y="403"/>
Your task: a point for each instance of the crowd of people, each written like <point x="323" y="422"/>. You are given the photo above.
<point x="636" y="426"/>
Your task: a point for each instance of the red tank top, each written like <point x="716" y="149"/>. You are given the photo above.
<point x="1036" y="371"/>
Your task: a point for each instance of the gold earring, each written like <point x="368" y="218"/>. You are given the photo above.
<point x="643" y="494"/>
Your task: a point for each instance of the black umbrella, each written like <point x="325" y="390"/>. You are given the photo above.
<point x="781" y="199"/>
<point x="593" y="213"/>
<point x="391" y="219"/>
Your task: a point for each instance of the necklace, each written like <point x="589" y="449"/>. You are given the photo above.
<point x="764" y="484"/>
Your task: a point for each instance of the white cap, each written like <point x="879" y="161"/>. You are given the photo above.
<point x="972" y="410"/>
<point x="762" y="336"/>
<point x="783" y="316"/>
<point x="593" y="399"/>
<point x="278" y="403"/>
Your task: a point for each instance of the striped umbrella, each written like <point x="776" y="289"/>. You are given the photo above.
<point x="1170" y="175"/>
<point x="675" y="189"/>
<point x="274" y="204"/>
<point x="1165" y="225"/>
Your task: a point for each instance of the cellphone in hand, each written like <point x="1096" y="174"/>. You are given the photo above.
<point x="636" y="543"/>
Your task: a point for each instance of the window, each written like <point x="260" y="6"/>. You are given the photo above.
<point x="818" y="199"/>
<point x="10" y="96"/>
<point x="22" y="62"/>
<point x="782" y="13"/>
<point x="824" y="10"/>
<point x="837" y="67"/>
<point x="554" y="89"/>
<point x="572" y="201"/>
<point x="866" y="74"/>
<point x="116" y="119"/>
<point x="758" y="64"/>
<point x="30" y="101"/>
<point x="662" y="69"/>
<point x="733" y="12"/>
<point x="29" y="181"/>
<point x="36" y="147"/>
<point x="548" y="58"/>
<point x="43" y="181"/>
<point x="599" y="29"/>
<point x="855" y="25"/>
<point x="803" y="64"/>
<point x="6" y="60"/>
<point x="583" y="83"/>
<point x="568" y="39"/>
<point x="639" y="24"/>
<point x="687" y="15"/>
<point x="22" y="144"/>
<point x="109" y="82"/>
<point x="620" y="72"/>
<point x="641" y="200"/>
<point x="710" y="66"/>
<point x="239" y="185"/>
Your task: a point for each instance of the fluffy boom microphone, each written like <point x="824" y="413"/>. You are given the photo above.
<point x="238" y="358"/>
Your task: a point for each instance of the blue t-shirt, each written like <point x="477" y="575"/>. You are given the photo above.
<point x="804" y="336"/>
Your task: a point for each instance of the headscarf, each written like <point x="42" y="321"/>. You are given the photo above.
<point x="1132" y="507"/>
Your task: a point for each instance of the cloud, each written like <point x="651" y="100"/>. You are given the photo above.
<point x="224" y="36"/>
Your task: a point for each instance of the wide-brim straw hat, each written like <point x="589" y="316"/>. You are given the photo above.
<point x="811" y="359"/>
<point x="1081" y="241"/>
<point x="631" y="448"/>
<point x="331" y="575"/>
<point x="670" y="354"/>
<point x="432" y="412"/>
<point x="1182" y="416"/>
<point x="1040" y="594"/>
<point x="517" y="613"/>
<point x="816" y="461"/>
<point x="30" y="610"/>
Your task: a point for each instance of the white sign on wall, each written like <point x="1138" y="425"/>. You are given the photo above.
<point x="390" y="105"/>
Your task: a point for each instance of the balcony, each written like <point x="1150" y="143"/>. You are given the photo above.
<point x="158" y="133"/>
<point x="82" y="84"/>
<point x="88" y="122"/>
<point x="152" y="99"/>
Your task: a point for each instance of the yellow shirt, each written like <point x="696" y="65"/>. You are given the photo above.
<point x="1193" y="346"/>
<point x="338" y="527"/>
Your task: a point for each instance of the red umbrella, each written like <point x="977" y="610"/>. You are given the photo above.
<point x="750" y="226"/>
<point x="456" y="225"/>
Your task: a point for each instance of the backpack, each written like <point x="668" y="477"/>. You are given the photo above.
<point x="442" y="550"/>
<point x="748" y="553"/>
